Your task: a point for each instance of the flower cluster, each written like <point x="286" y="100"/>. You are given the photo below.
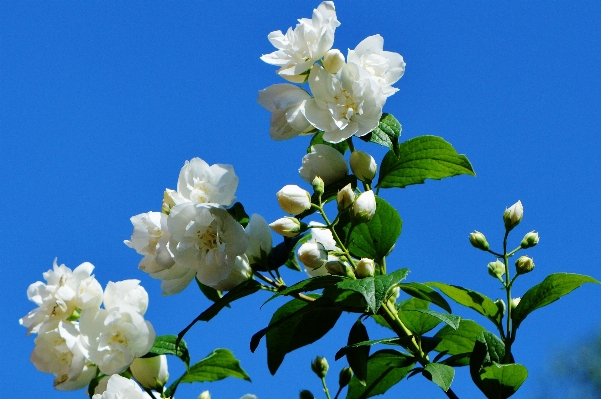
<point x="347" y="96"/>
<point x="196" y="236"/>
<point x="76" y="337"/>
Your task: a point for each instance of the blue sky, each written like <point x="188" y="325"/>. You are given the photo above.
<point x="101" y="104"/>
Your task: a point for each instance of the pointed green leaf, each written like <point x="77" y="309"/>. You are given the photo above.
<point x="390" y="341"/>
<point x="386" y="134"/>
<point x="168" y="345"/>
<point x="419" y="323"/>
<point x="357" y="356"/>
<point x="421" y="158"/>
<point x="422" y="291"/>
<point x="385" y="369"/>
<point x="553" y="287"/>
<point x="218" y="365"/>
<point x="459" y="341"/>
<point x="308" y="285"/>
<point x="374" y="289"/>
<point x="211" y="293"/>
<point x="341" y="147"/>
<point x="237" y="211"/>
<point x="500" y="381"/>
<point x="440" y="374"/>
<point x="471" y="299"/>
<point x="349" y="301"/>
<point x="449" y="319"/>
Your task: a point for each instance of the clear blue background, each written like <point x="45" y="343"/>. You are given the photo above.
<point x="101" y="103"/>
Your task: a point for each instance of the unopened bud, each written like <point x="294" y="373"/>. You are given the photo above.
<point x="345" y="377"/>
<point x="524" y="265"/>
<point x="501" y="306"/>
<point x="318" y="185"/>
<point x="363" y="165"/>
<point x="478" y="240"/>
<point x="333" y="61"/>
<point x="345" y="197"/>
<point x="312" y="255"/>
<point x="339" y="268"/>
<point x="204" y="395"/>
<point x="496" y="269"/>
<point x="364" y="207"/>
<point x="320" y="366"/>
<point x="530" y="240"/>
<point x="293" y="199"/>
<point x="365" y="268"/>
<point x="304" y="394"/>
<point x="286" y="226"/>
<point x="515" y="302"/>
<point x="151" y="372"/>
<point x="513" y="215"/>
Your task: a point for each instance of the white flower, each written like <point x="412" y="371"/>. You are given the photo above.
<point x="302" y="46"/>
<point x="122" y="388"/>
<point x="286" y="226"/>
<point x="65" y="291"/>
<point x="174" y="279"/>
<point x="293" y="199"/>
<point x="150" y="372"/>
<point x="113" y="338"/>
<point x="259" y="238"/>
<point x="363" y="165"/>
<point x="325" y="162"/>
<point x="513" y="215"/>
<point x="325" y="239"/>
<point x="364" y="207"/>
<point x="333" y="61"/>
<point x="126" y="292"/>
<point x="343" y="105"/>
<point x="286" y="103"/>
<point x="385" y="67"/>
<point x="200" y="183"/>
<point x="57" y="351"/>
<point x="239" y="274"/>
<point x="207" y="239"/>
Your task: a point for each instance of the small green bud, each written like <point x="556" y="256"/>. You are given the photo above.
<point x="345" y="377"/>
<point x="304" y="394"/>
<point x="501" y="306"/>
<point x="496" y="269"/>
<point x="530" y="240"/>
<point x="515" y="302"/>
<point x="524" y="265"/>
<point x="364" y="166"/>
<point x="513" y="215"/>
<point x="478" y="240"/>
<point x="365" y="268"/>
<point x="320" y="366"/>
<point x="318" y="185"/>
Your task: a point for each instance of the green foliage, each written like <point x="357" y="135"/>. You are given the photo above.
<point x="211" y="293"/>
<point x="553" y="287"/>
<point x="422" y="291"/>
<point x="385" y="369"/>
<point x="458" y="341"/>
<point x="237" y="211"/>
<point x="386" y="134"/>
<point x="390" y="341"/>
<point x="308" y="285"/>
<point x="169" y="345"/>
<point x="374" y="239"/>
<point x="357" y="356"/>
<point x="421" y="158"/>
<point x="449" y="319"/>
<point x="374" y="289"/>
<point x="419" y="323"/>
<point x="341" y="147"/>
<point x="349" y="301"/>
<point x="440" y="374"/>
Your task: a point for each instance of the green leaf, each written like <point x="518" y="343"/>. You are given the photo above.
<point x="341" y="147"/>
<point x="374" y="289"/>
<point x="374" y="239"/>
<point x="440" y="374"/>
<point x="357" y="356"/>
<point x="295" y="325"/>
<point x="308" y="285"/>
<point x="169" y="345"/>
<point x="471" y="299"/>
<point x="220" y="364"/>
<point x="391" y="341"/>
<point x="449" y="319"/>
<point x="386" y="134"/>
<point x="500" y="381"/>
<point x="94" y="383"/>
<point x="349" y="301"/>
<point x="211" y="293"/>
<point x="422" y="291"/>
<point x="385" y="369"/>
<point x="553" y="287"/>
<point x="421" y="158"/>
<point x="460" y="341"/>
<point x="237" y="211"/>
<point x="419" y="323"/>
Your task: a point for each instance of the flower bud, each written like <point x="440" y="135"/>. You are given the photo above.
<point x="501" y="306"/>
<point x="496" y="269"/>
<point x="363" y="165"/>
<point x="312" y="255"/>
<point x="345" y="377"/>
<point x="530" y="240"/>
<point x="150" y="372"/>
<point x="513" y="215"/>
<point x="478" y="240"/>
<point x="293" y="199"/>
<point x="320" y="366"/>
<point x="336" y="268"/>
<point x="365" y="268"/>
<point x="304" y="394"/>
<point x="286" y="226"/>
<point x="364" y="207"/>
<point x="204" y="395"/>
<point x="333" y="61"/>
<point x="345" y="198"/>
<point x="515" y="302"/>
<point x="318" y="185"/>
<point x="524" y="265"/>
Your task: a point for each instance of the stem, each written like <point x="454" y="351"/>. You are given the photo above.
<point x="335" y="235"/>
<point x="325" y="387"/>
<point x="451" y="394"/>
<point x="383" y="266"/>
<point x="338" y="393"/>
<point x="508" y="282"/>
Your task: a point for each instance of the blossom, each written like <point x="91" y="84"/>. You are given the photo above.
<point x="239" y="274"/>
<point x="122" y="388"/>
<point x="529" y="240"/>
<point x="151" y="372"/>
<point x="63" y="293"/>
<point x="326" y="240"/>
<point x="385" y="67"/>
<point x="312" y="254"/>
<point x="259" y="239"/>
<point x="365" y="268"/>
<point x="343" y="105"/>
<point x="325" y="162"/>
<point x="478" y="240"/>
<point x="200" y="183"/>
<point x="524" y="265"/>
<point x="286" y="103"/>
<point x="206" y="238"/>
<point x="302" y="46"/>
<point x="126" y="292"/>
<point x="293" y="199"/>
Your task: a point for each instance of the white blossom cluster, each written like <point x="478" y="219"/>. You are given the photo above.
<point x="347" y="96"/>
<point x="76" y="336"/>
<point x="195" y="235"/>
